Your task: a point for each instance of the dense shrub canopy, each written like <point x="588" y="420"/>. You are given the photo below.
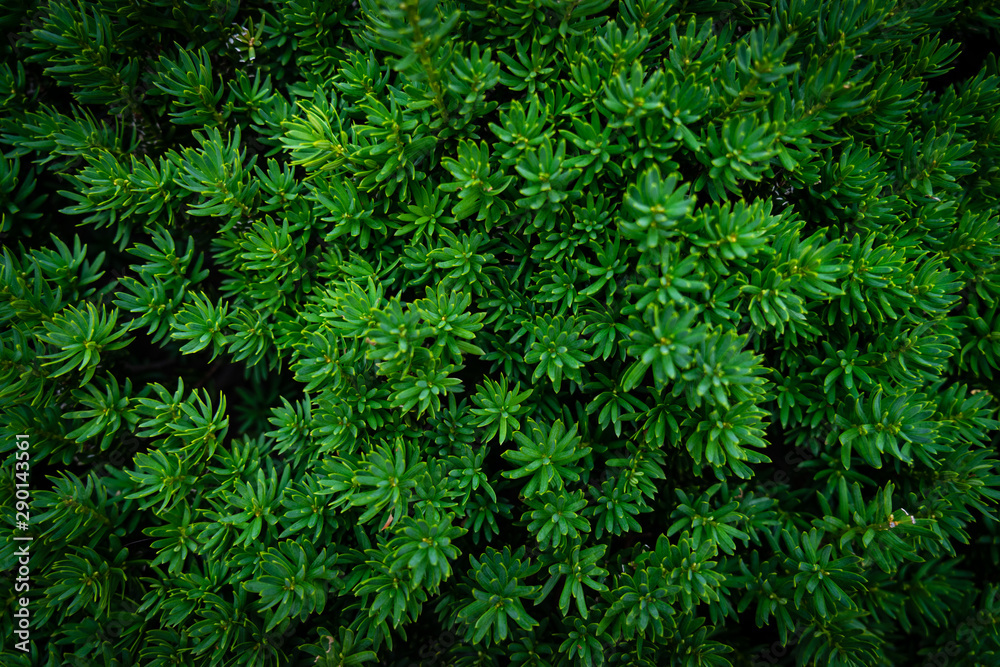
<point x="544" y="332"/>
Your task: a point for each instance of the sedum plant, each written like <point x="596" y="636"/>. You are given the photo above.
<point x="545" y="333"/>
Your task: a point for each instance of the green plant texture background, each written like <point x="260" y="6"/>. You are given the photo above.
<point x="531" y="332"/>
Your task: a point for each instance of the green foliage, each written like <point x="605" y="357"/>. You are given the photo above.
<point x="424" y="546"/>
<point x="80" y="336"/>
<point x="538" y="333"/>
<point x="547" y="456"/>
<point x="499" y="407"/>
<point x="188" y="81"/>
<point x="615" y="509"/>
<point x="296" y="581"/>
<point x="578" y="569"/>
<point x="498" y="591"/>
<point x="556" y="348"/>
<point x="108" y="410"/>
<point x="556" y="519"/>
